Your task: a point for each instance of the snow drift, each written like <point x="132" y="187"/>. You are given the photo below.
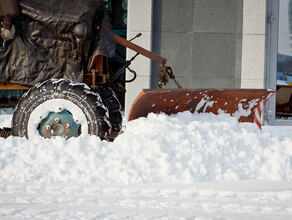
<point x="182" y="148"/>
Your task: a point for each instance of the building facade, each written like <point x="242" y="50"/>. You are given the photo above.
<point x="214" y="44"/>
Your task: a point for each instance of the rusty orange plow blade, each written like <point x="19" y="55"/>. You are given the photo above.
<point x="245" y="104"/>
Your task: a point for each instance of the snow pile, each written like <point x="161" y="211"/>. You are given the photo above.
<point x="5" y="121"/>
<point x="184" y="148"/>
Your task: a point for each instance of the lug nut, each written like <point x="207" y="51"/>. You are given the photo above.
<point x="67" y="125"/>
<point x="48" y="127"/>
<point x="57" y="120"/>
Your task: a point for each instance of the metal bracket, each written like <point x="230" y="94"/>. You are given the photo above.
<point x="100" y="78"/>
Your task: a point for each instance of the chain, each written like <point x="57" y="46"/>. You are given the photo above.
<point x="176" y="83"/>
<point x="166" y="73"/>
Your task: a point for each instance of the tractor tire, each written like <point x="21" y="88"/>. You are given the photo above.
<point x="81" y="105"/>
<point x="111" y="101"/>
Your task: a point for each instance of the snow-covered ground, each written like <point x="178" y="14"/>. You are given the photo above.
<point x="186" y="166"/>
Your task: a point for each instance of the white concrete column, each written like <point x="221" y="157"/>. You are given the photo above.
<point x="253" y="44"/>
<point x="139" y="21"/>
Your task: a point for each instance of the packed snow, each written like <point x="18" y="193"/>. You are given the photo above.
<point x="184" y="166"/>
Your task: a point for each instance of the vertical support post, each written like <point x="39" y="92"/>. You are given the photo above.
<point x="99" y="64"/>
<point x="140" y="15"/>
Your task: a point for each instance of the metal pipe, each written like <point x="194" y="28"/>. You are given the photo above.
<point x="153" y="56"/>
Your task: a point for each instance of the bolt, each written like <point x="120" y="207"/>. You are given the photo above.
<point x="48" y="127"/>
<point x="67" y="125"/>
<point x="57" y="120"/>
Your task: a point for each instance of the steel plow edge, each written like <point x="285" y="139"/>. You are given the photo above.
<point x="245" y="104"/>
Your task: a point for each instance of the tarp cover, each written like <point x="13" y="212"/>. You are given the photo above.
<point x="45" y="47"/>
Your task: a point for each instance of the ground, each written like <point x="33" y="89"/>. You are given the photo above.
<point x="186" y="166"/>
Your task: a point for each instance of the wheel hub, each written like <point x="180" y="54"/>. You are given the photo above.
<point x="59" y="124"/>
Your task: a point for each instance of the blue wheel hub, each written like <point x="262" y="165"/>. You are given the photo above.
<point x="59" y="124"/>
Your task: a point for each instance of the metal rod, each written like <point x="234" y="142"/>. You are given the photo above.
<point x="138" y="35"/>
<point x="153" y="56"/>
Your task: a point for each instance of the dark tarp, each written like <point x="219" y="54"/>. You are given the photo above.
<point x="45" y="47"/>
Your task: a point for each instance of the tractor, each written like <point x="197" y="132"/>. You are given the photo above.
<point x="55" y="54"/>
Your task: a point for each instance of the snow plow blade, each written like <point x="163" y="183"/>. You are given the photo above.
<point x="245" y="104"/>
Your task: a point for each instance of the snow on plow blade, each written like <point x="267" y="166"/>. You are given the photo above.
<point x="245" y="104"/>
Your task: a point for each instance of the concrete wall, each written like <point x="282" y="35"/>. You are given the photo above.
<point x="202" y="40"/>
<point x="253" y="44"/>
<point x="139" y="21"/>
